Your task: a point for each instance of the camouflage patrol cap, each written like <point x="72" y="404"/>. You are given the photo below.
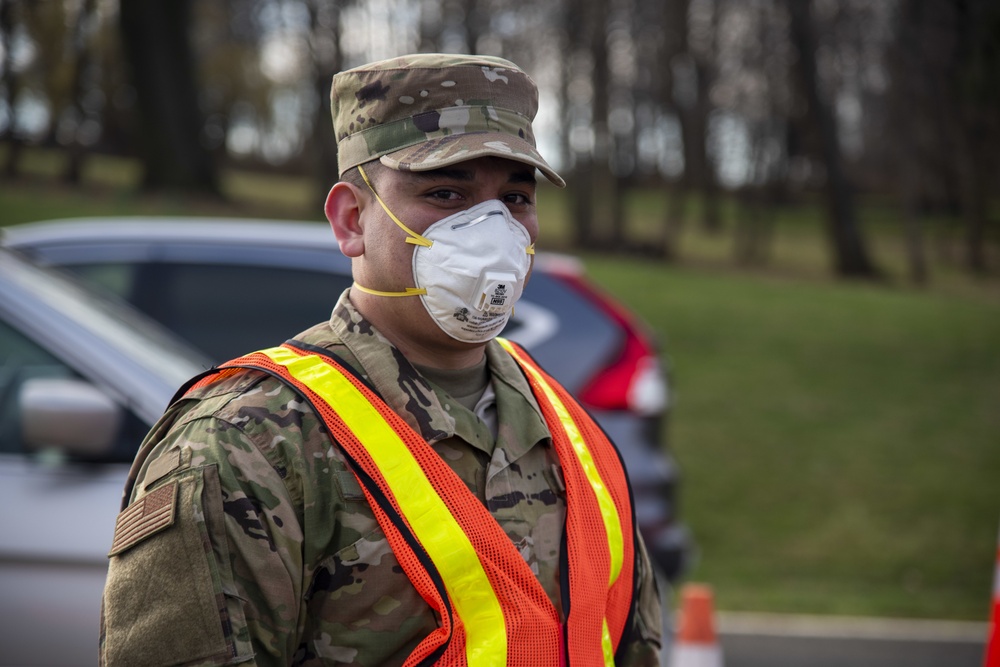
<point x="430" y="110"/>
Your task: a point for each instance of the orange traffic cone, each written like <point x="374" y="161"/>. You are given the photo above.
<point x="992" y="656"/>
<point x="696" y="644"/>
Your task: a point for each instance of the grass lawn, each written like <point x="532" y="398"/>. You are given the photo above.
<point x="839" y="442"/>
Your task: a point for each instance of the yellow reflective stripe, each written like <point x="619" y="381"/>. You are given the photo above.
<point x="612" y="524"/>
<point x="607" y="646"/>
<point x="433" y="524"/>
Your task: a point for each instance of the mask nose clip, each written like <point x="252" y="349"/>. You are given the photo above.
<point x="469" y="223"/>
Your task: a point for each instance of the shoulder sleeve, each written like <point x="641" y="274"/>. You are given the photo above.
<point x="206" y="566"/>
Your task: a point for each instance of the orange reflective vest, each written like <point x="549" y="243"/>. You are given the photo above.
<point x="491" y="608"/>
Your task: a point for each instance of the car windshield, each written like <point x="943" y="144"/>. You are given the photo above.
<point x="140" y="340"/>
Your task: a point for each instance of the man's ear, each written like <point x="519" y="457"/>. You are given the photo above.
<point x="343" y="209"/>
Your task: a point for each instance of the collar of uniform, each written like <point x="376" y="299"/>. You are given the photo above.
<point x="396" y="380"/>
<point x="517" y="435"/>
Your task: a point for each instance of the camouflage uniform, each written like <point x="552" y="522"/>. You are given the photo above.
<point x="246" y="538"/>
<point x="274" y="557"/>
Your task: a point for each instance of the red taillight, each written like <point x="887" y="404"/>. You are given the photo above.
<point x="633" y="379"/>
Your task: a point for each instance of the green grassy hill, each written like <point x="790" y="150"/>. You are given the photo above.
<point x="840" y="444"/>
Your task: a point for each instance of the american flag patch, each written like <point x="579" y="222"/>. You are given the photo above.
<point x="146" y="516"/>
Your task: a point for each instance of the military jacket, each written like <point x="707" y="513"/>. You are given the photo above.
<point x="247" y="540"/>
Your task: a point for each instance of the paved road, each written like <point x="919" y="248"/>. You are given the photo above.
<point x="763" y="640"/>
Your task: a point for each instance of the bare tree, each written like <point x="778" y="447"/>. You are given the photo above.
<point x="452" y="25"/>
<point x="686" y="66"/>
<point x="81" y="54"/>
<point x="973" y="122"/>
<point x="754" y="228"/>
<point x="9" y="13"/>
<point x="620" y="90"/>
<point x="941" y="125"/>
<point x="587" y="71"/>
<point x="169" y="121"/>
<point x="850" y="252"/>
<point x="909" y="89"/>
<point x="817" y="99"/>
<point x="324" y="40"/>
<point x="673" y="53"/>
<point x="703" y="18"/>
<point x="757" y="85"/>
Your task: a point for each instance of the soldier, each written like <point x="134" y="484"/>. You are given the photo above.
<point x="395" y="485"/>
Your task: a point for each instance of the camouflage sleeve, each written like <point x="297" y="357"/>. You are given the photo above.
<point x="207" y="562"/>
<point x="643" y="649"/>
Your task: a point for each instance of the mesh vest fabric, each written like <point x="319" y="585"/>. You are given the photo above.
<point x="592" y="607"/>
<point x="530" y="628"/>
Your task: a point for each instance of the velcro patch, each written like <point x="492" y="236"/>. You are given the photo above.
<point x="350" y="489"/>
<point x="146" y="516"/>
<point x="162" y="466"/>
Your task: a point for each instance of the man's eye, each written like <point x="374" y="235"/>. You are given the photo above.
<point x="516" y="199"/>
<point x="444" y="195"/>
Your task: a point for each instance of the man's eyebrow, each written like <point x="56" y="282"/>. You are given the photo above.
<point x="523" y="176"/>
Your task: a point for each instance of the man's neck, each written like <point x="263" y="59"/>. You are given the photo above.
<point x="437" y="350"/>
<point x="465" y="385"/>
<point x="443" y="358"/>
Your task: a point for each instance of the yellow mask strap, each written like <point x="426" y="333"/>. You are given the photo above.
<point x="414" y="238"/>
<point x="409" y="291"/>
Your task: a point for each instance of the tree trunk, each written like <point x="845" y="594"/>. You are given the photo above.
<point x="753" y="230"/>
<point x="674" y="20"/>
<point x="169" y="121"/>
<point x="473" y="25"/>
<point x="327" y="61"/>
<point x="12" y="84"/>
<point x="581" y="192"/>
<point x="978" y="128"/>
<point x="585" y="28"/>
<point x="618" y="213"/>
<point x="850" y="254"/>
<point x="912" y="228"/>
<point x="908" y="74"/>
<point x="962" y="83"/>
<point x="704" y="172"/>
<point x="429" y="27"/>
<point x="82" y="58"/>
<point x="600" y="109"/>
<point x="973" y="198"/>
<point x="754" y="226"/>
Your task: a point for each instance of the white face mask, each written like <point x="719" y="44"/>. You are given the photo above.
<point x="469" y="268"/>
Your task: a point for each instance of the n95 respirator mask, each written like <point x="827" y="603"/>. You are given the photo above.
<point x="468" y="269"/>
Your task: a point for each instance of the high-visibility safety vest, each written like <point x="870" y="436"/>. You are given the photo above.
<point x="492" y="609"/>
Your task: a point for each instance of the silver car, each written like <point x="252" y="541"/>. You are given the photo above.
<point x="82" y="378"/>
<point x="230" y="286"/>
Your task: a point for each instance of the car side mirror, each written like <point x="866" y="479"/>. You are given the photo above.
<point x="69" y="416"/>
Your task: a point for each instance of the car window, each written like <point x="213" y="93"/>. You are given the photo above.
<point x="117" y="278"/>
<point x="225" y="310"/>
<point x="21" y="359"/>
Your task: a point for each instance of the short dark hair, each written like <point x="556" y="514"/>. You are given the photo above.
<point x="374" y="170"/>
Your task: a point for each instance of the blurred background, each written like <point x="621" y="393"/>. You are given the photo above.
<point x="799" y="197"/>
